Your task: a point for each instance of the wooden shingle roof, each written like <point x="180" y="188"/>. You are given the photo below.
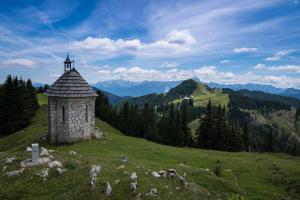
<point x="70" y="84"/>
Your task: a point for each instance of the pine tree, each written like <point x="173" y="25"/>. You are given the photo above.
<point x="187" y="138"/>
<point x="204" y="132"/>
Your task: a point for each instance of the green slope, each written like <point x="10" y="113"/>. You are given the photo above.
<point x="201" y="96"/>
<point x="256" y="176"/>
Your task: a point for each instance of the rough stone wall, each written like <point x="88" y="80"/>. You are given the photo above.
<point x="79" y="119"/>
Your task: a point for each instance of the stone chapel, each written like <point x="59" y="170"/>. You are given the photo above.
<point x="71" y="107"/>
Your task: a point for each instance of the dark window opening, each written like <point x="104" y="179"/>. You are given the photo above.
<point x="63" y="113"/>
<point x="86" y="114"/>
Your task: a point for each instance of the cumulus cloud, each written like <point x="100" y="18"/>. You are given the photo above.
<point x="277" y="56"/>
<point x="20" y="62"/>
<point x="224" y="61"/>
<point x="181" y="37"/>
<point x="204" y="73"/>
<point x="259" y="66"/>
<point x="244" y="50"/>
<point x="176" y="41"/>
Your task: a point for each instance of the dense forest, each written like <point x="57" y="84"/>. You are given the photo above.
<point x="18" y="104"/>
<point x="230" y="128"/>
<point x="170" y="127"/>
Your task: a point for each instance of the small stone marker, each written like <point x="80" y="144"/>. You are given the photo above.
<point x="35" y="153"/>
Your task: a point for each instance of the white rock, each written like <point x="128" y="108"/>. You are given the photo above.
<point x="182" y="180"/>
<point x="121" y="167"/>
<point x="60" y="170"/>
<point x="73" y="153"/>
<point x="29" y="149"/>
<point x="161" y="172"/>
<point x="117" y="181"/>
<point x="133" y="186"/>
<point x="50" y="151"/>
<point x="4" y="168"/>
<point x="55" y="164"/>
<point x="95" y="170"/>
<point x="155" y="174"/>
<point x="178" y="188"/>
<point x="44" y="152"/>
<point x="172" y="171"/>
<point x="44" y="160"/>
<point x="10" y="160"/>
<point x="152" y="193"/>
<point x="93" y="182"/>
<point x="172" y="175"/>
<point x="138" y="196"/>
<point x="14" y="173"/>
<point x="43" y="173"/>
<point x="133" y="176"/>
<point x="124" y="159"/>
<point x="108" y="189"/>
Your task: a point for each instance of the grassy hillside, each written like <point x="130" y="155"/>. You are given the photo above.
<point x="253" y="175"/>
<point x="202" y="95"/>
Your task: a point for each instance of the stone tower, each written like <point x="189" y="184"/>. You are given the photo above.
<point x="71" y="107"/>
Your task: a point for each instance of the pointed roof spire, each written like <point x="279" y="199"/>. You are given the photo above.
<point x="68" y="60"/>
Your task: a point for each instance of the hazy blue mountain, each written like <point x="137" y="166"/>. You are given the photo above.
<point x="134" y="89"/>
<point x="249" y="86"/>
<point x="292" y="92"/>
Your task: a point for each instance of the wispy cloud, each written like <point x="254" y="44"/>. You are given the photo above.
<point x="286" y="68"/>
<point x="224" y="61"/>
<point x="244" y="50"/>
<point x="278" y="55"/>
<point x="21" y="62"/>
<point x="259" y="66"/>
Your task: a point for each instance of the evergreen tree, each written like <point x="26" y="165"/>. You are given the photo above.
<point x="18" y="104"/>
<point x="204" y="132"/>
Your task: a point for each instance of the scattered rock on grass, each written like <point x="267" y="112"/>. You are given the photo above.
<point x="44" y="152"/>
<point x="29" y="149"/>
<point x="108" y="189"/>
<point x="73" y="153"/>
<point x="152" y="193"/>
<point x="55" y="164"/>
<point x="121" y="167"/>
<point x="14" y="173"/>
<point x="60" y="170"/>
<point x="43" y="173"/>
<point x="123" y="159"/>
<point x="138" y="196"/>
<point x="133" y="186"/>
<point x="155" y="174"/>
<point x="10" y="160"/>
<point x="95" y="170"/>
<point x="133" y="176"/>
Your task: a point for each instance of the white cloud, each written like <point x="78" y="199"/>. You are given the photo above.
<point x="244" y="50"/>
<point x="259" y="66"/>
<point x="277" y="56"/>
<point x="204" y="73"/>
<point x="181" y="37"/>
<point x="20" y="62"/>
<point x="286" y="68"/>
<point x="176" y="42"/>
<point x="224" y="61"/>
<point x="169" y="65"/>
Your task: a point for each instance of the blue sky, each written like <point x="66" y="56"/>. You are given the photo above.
<point x="221" y="41"/>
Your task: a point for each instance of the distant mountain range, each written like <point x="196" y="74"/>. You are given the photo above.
<point x="135" y="89"/>
<point x="123" y="88"/>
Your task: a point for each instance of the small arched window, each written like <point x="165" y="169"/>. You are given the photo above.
<point x="86" y="114"/>
<point x="63" y="114"/>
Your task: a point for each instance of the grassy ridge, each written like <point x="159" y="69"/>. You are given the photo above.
<point x="256" y="176"/>
<point x="202" y="95"/>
